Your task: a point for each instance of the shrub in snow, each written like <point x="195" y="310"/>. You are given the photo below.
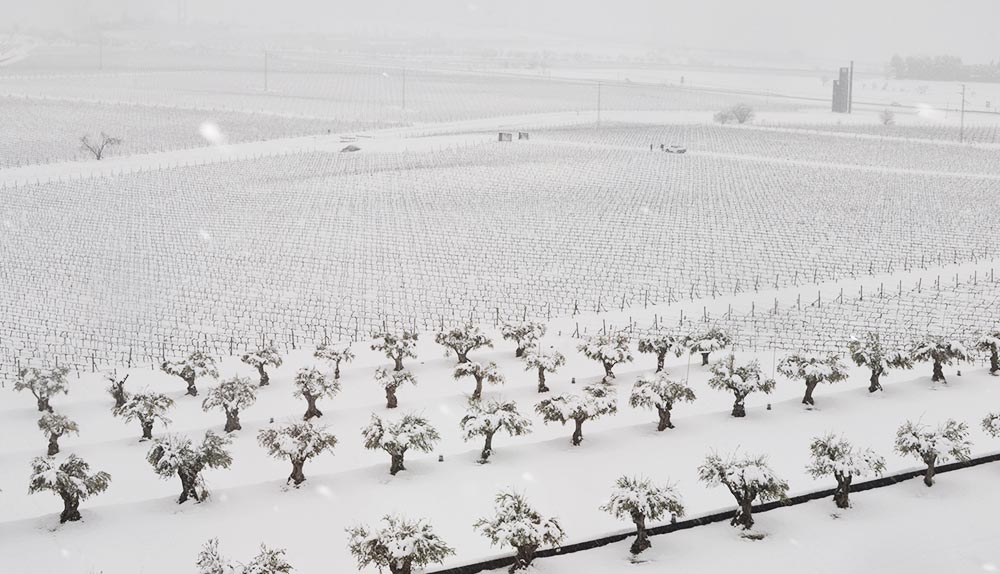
<point x="261" y="359"/>
<point x="463" y="340"/>
<point x="933" y="446"/>
<point x="71" y="480"/>
<point x="991" y="424"/>
<point x="43" y="384"/>
<point x="298" y="442"/>
<point x="147" y="408"/>
<point x="117" y="389"/>
<point x="487" y="372"/>
<point x="639" y="500"/>
<point x="55" y="425"/>
<point x="939" y="351"/>
<point x="335" y="355"/>
<point x="267" y="561"/>
<point x="870" y="352"/>
<point x="195" y="366"/>
<point x="521" y="527"/>
<point x="990" y="343"/>
<point x="525" y="334"/>
<point x="312" y="385"/>
<point x="411" y="432"/>
<point x="177" y="454"/>
<point x="748" y="478"/>
<point x="741" y="380"/>
<point x="392" y="380"/>
<point x="398" y="544"/>
<point x="707" y="341"/>
<point x="543" y="362"/>
<point x="232" y="396"/>
<point x="813" y="370"/>
<point x="596" y="401"/>
<point x="486" y="419"/>
<point x="609" y="350"/>
<point x="658" y="392"/>
<point x="660" y="344"/>
<point x="397" y="346"/>
<point x="832" y="456"/>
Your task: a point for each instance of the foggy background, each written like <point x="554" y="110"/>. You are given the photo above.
<point x="775" y="30"/>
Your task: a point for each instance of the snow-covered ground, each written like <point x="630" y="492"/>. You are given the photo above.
<point x="903" y="528"/>
<point x="353" y="485"/>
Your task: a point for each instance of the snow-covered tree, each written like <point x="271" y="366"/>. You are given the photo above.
<point x="147" y="408"/>
<point x="991" y="424"/>
<point x="175" y="454"/>
<point x="543" y="362"/>
<point x="933" y="446"/>
<point x="658" y="392"/>
<point x="463" y="340"/>
<point x="397" y="346"/>
<point x="609" y="350"/>
<point x="939" y="351"/>
<point x="398" y="544"/>
<point x="54" y="426"/>
<point x="116" y="389"/>
<point x="312" y="384"/>
<point x="872" y="353"/>
<point x="298" y="442"/>
<point x="639" y="500"/>
<point x="661" y="344"/>
<point x="412" y="432"/>
<point x="990" y="343"/>
<point x="524" y="333"/>
<point x="833" y="456"/>
<point x="267" y="561"/>
<point x="481" y="372"/>
<point x="486" y="419"/>
<point x="336" y="355"/>
<point x="43" y="384"/>
<point x="521" y="527"/>
<point x="813" y="370"/>
<point x="266" y="356"/>
<point x="71" y="480"/>
<point x="741" y="380"/>
<point x="390" y="381"/>
<point x="194" y="366"/>
<point x="232" y="396"/>
<point x="748" y="479"/>
<point x="707" y="341"/>
<point x="596" y="401"/>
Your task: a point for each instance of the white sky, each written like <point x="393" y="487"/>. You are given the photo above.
<point x="866" y="30"/>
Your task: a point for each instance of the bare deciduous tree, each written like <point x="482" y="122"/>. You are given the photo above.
<point x="97" y="148"/>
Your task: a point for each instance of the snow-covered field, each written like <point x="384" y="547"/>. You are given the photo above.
<point x="793" y="234"/>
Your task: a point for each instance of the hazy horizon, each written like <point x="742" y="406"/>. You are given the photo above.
<point x="789" y="29"/>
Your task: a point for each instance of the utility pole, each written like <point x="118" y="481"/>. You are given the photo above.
<point x="961" y="128"/>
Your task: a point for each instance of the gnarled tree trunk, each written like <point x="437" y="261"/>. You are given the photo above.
<point x="608" y="374"/>
<point x="744" y="515"/>
<point x="404" y="566"/>
<point x="523" y="557"/>
<point x="311" y="410"/>
<point x="660" y="359"/>
<point x="994" y="361"/>
<point x="929" y="474"/>
<point x="191" y="389"/>
<point x="233" y="420"/>
<point x="807" y="399"/>
<point x="739" y="409"/>
<point x="664" y="419"/>
<point x="297" y="477"/>
<point x="43" y="405"/>
<point x="642" y="539"/>
<point x="147" y="429"/>
<point x="265" y="379"/>
<point x="873" y="380"/>
<point x="390" y="398"/>
<point x="541" y="381"/>
<point x="397" y="464"/>
<point x="463" y="355"/>
<point x="336" y="370"/>
<point x="478" y="393"/>
<point x="53" y="444"/>
<point x="519" y="352"/>
<point x="938" y="373"/>
<point x="487" y="448"/>
<point x="399" y="362"/>
<point x="704" y="359"/>
<point x="578" y="432"/>
<point x="189" y="487"/>
<point x="841" y="496"/>
<point x="71" y="508"/>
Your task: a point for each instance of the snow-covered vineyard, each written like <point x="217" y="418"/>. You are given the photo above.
<point x="413" y="306"/>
